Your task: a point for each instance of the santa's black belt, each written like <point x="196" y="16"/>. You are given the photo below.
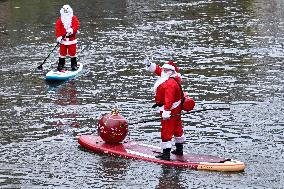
<point x="157" y="105"/>
<point x="73" y="35"/>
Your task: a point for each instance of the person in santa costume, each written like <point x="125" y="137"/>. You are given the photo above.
<point x="168" y="98"/>
<point x="66" y="29"/>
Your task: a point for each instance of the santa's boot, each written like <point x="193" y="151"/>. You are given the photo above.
<point x="74" y="64"/>
<point x="179" y="149"/>
<point x="165" y="155"/>
<point x="61" y="64"/>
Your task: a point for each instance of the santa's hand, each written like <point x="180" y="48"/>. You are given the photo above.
<point x="59" y="39"/>
<point x="69" y="32"/>
<point x="147" y="61"/>
<point x="166" y="114"/>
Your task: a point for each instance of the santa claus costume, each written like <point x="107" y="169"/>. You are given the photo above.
<point x="168" y="97"/>
<point x="66" y="29"/>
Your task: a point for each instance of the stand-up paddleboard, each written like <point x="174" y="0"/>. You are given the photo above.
<point x="64" y="74"/>
<point x="146" y="152"/>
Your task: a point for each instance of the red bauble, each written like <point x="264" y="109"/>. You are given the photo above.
<point x="113" y="127"/>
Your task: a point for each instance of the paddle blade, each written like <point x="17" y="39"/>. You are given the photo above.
<point x="39" y="67"/>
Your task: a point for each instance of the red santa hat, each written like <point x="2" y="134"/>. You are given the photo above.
<point x="171" y="66"/>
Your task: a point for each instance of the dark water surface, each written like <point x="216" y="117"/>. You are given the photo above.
<point x="230" y="54"/>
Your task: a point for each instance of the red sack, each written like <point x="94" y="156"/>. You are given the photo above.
<point x="188" y="103"/>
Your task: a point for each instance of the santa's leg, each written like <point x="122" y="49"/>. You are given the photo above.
<point x="179" y="148"/>
<point x="61" y="64"/>
<point x="166" y="154"/>
<point x="72" y="53"/>
<point x="179" y="137"/>
<point x="74" y="63"/>
<point x="63" y="53"/>
<point x="166" y="135"/>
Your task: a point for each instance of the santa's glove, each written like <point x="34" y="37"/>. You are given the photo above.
<point x="147" y="61"/>
<point x="59" y="39"/>
<point x="166" y="114"/>
<point x="69" y="32"/>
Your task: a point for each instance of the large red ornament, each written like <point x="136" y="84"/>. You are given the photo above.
<point x="113" y="127"/>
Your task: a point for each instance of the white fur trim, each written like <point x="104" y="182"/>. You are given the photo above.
<point x="165" y="145"/>
<point x="180" y="139"/>
<point x="67" y="55"/>
<point x="69" y="42"/>
<point x="175" y="105"/>
<point x="168" y="66"/>
<point x="151" y="68"/>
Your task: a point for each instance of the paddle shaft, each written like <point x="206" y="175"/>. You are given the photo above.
<point x="191" y="112"/>
<point x="40" y="66"/>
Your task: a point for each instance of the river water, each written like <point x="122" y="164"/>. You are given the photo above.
<point x="230" y="54"/>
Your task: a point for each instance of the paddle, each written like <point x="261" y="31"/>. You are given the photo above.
<point x="194" y="111"/>
<point x="40" y="66"/>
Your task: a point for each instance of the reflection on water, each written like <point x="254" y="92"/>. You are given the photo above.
<point x="113" y="168"/>
<point x="230" y="55"/>
<point x="66" y="96"/>
<point x="170" y="177"/>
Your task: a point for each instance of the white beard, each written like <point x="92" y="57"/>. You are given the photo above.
<point x="66" y="19"/>
<point x="164" y="77"/>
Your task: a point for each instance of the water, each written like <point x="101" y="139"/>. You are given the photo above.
<point x="230" y="54"/>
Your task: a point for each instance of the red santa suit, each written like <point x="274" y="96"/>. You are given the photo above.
<point x="168" y="94"/>
<point x="67" y="25"/>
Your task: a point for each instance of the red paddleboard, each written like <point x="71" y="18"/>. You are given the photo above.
<point x="136" y="150"/>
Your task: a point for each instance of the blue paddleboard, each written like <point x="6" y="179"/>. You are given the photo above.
<point x="63" y="75"/>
